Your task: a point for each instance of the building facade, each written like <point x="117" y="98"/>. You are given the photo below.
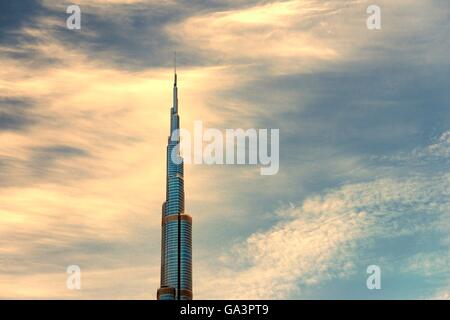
<point x="176" y="240"/>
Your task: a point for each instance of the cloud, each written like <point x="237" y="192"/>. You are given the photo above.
<point x="324" y="237"/>
<point x="82" y="168"/>
<point x="292" y="37"/>
<point x="14" y="114"/>
<point x="120" y="283"/>
<point x="261" y="32"/>
<point x="433" y="266"/>
<point x="83" y="122"/>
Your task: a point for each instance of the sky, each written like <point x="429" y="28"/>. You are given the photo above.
<point x="364" y="120"/>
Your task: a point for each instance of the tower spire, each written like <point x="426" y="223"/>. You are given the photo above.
<point x="175" y="89"/>
<point x="175" y="68"/>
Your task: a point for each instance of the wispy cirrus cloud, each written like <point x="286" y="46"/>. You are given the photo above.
<point x="292" y="37"/>
<point x="335" y="236"/>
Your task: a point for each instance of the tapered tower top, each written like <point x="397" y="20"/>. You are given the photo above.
<point x="175" y="68"/>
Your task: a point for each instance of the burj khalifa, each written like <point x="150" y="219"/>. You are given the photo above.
<point x="176" y="241"/>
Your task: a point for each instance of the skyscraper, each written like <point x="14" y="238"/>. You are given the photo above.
<point x="176" y="241"/>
